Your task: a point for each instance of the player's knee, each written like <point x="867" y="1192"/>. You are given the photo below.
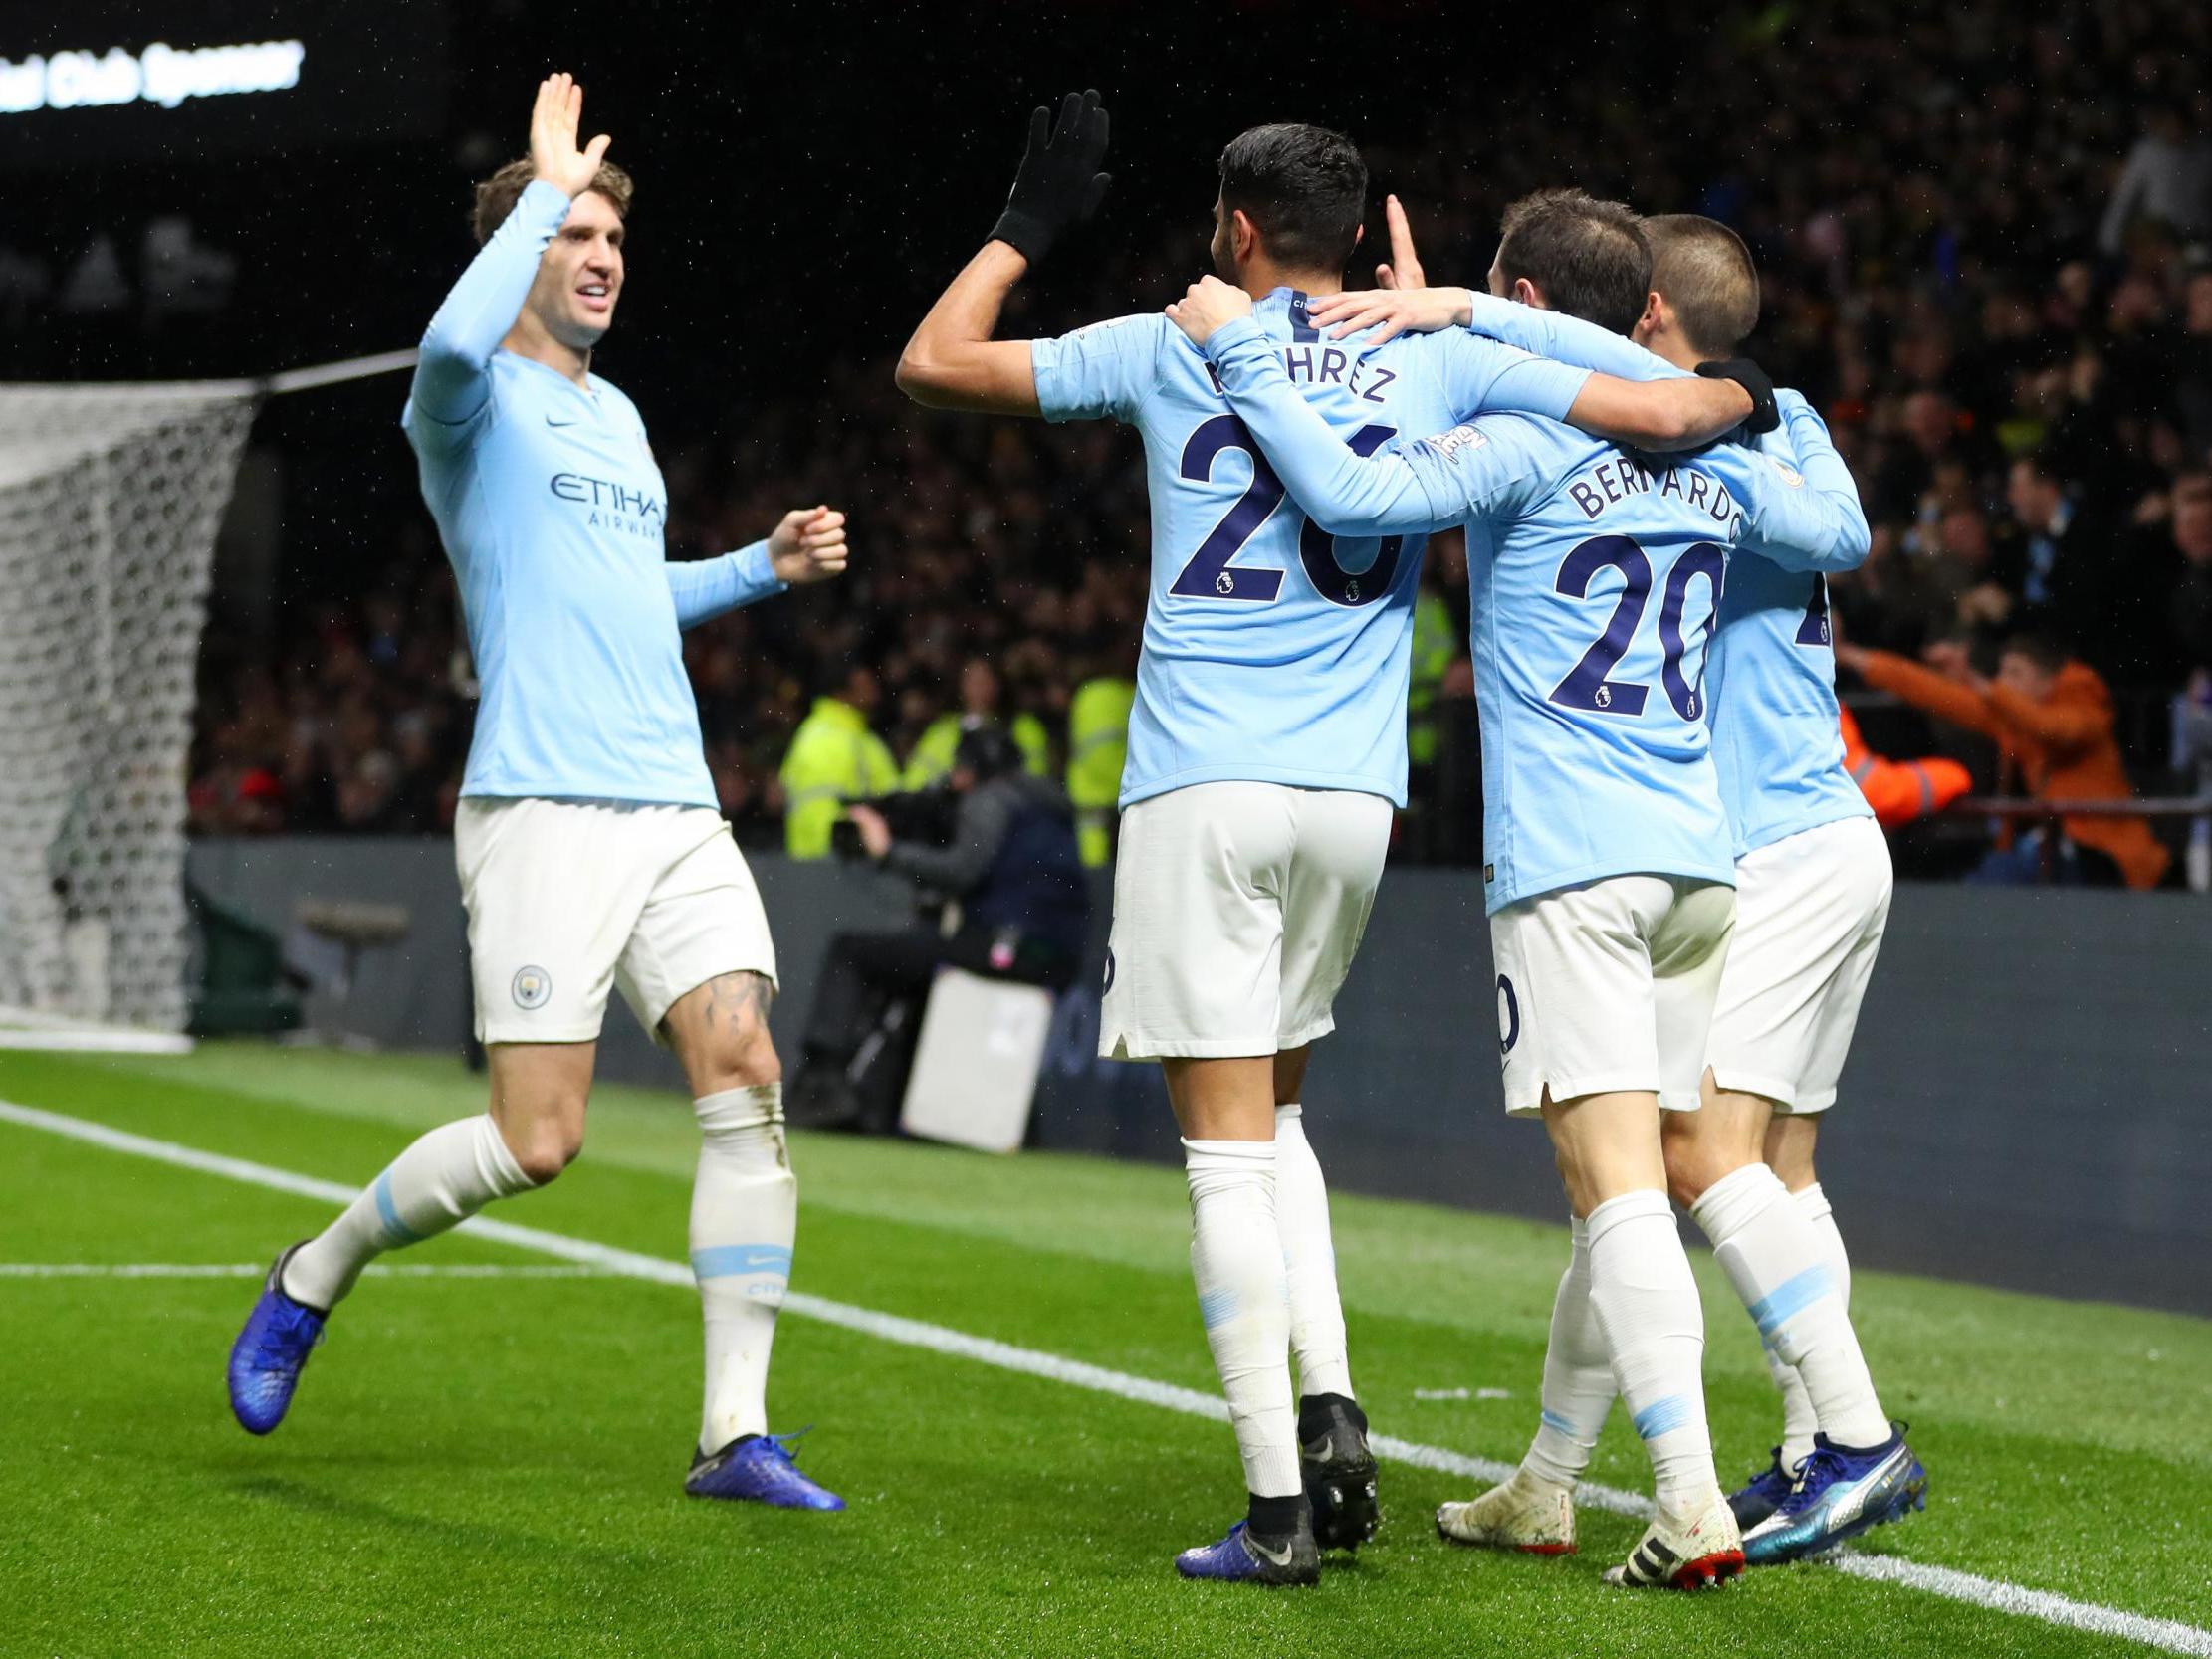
<point x="1695" y="1166"/>
<point x="741" y="1057"/>
<point x="544" y="1150"/>
<point x="1686" y="1180"/>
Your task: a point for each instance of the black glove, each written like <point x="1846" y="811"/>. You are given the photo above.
<point x="1764" y="416"/>
<point x="1060" y="184"/>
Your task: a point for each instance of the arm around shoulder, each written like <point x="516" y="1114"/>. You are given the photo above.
<point x="1659" y="415"/>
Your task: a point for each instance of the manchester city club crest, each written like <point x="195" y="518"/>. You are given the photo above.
<point x="531" y="986"/>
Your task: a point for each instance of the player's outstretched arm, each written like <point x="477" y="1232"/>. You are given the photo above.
<point x="951" y="362"/>
<point x="1797" y="520"/>
<point x="807" y="546"/>
<point x="1343" y="493"/>
<point x="452" y="375"/>
<point x="1809" y="522"/>
<point x="1826" y="470"/>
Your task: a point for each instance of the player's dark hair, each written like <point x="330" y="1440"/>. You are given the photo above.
<point x="1304" y="187"/>
<point x="496" y="196"/>
<point x="1706" y="274"/>
<point x="1591" y="259"/>
<point x="2039" y="649"/>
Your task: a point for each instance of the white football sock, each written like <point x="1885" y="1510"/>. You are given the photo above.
<point x="1773" y="1257"/>
<point x="1799" y="1422"/>
<point x="1236" y="1260"/>
<point x="438" y="1182"/>
<point x="1578" y="1376"/>
<point x="743" y="1218"/>
<point x="1655" y="1329"/>
<point x="1309" y="1260"/>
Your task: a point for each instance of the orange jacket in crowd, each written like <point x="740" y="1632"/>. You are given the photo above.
<point x="1900" y="790"/>
<point x="2063" y="745"/>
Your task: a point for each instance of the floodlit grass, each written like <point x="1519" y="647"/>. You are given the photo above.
<point x="490" y="1467"/>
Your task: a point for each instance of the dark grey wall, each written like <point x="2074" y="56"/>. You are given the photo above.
<point x="2029" y="1102"/>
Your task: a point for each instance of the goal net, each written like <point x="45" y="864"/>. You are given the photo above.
<point x="110" y="500"/>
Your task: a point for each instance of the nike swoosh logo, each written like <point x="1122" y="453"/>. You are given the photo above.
<point x="1274" y="1557"/>
<point x="572" y="421"/>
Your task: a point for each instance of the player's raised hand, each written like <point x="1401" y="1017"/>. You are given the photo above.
<point x="1391" y="311"/>
<point x="1206" y="305"/>
<point x="1404" y="270"/>
<point x="1058" y="185"/>
<point x="808" y="545"/>
<point x="554" y="155"/>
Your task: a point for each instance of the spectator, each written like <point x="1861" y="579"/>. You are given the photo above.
<point x="2167" y="178"/>
<point x="2190" y="605"/>
<point x="1900" y="791"/>
<point x="1097" y="749"/>
<point x="834" y="758"/>
<point x="2066" y="562"/>
<point x="982" y="703"/>
<point x="2052" y="719"/>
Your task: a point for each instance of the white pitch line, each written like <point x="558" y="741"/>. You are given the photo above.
<point x="256" y="1270"/>
<point x="2170" y="1635"/>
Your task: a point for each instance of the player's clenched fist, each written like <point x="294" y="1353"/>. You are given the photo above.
<point x="808" y="545"/>
<point x="554" y="155"/>
<point x="1206" y="305"/>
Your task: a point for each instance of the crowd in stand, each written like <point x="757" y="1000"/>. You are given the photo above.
<point x="1986" y="245"/>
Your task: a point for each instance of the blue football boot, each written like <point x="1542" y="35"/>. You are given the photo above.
<point x="1244" y="1557"/>
<point x="1841" y="1492"/>
<point x="1752" y="1504"/>
<point x="265" y="1361"/>
<point x="757" y="1468"/>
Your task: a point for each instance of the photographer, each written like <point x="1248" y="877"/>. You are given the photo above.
<point x="1015" y="906"/>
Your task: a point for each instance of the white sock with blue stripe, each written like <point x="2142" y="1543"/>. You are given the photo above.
<point x="437" y="1183"/>
<point x="1799" y="1422"/>
<point x="1578" y="1377"/>
<point x="743" y="1218"/>
<point x="1767" y="1245"/>
<point x="1237" y="1261"/>
<point x="1309" y="1258"/>
<point x="1655" y="1329"/>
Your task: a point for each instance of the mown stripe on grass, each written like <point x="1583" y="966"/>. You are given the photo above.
<point x="256" y="1270"/>
<point x="2170" y="1635"/>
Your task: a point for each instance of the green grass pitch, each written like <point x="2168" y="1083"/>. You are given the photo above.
<point x="491" y="1466"/>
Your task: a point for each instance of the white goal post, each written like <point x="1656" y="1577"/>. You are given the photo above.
<point x="111" y="497"/>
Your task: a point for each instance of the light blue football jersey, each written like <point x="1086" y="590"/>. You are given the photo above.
<point x="552" y="512"/>
<point x="1776" y="735"/>
<point x="1595" y="578"/>
<point x="1272" y="652"/>
<point x="1772" y="674"/>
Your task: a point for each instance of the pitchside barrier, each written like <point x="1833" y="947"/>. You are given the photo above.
<point x="2029" y="1102"/>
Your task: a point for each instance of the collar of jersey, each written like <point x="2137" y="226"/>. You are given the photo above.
<point x="589" y="389"/>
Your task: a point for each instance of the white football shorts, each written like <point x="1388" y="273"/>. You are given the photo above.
<point x="568" y="897"/>
<point x="1609" y="986"/>
<point x="1810" y="914"/>
<point x="1238" y="910"/>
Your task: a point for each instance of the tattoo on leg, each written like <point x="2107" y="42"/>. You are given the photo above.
<point x="741" y="999"/>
